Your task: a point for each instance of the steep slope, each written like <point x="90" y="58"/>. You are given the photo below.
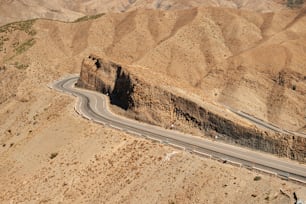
<point x="68" y="10"/>
<point x="230" y="58"/>
<point x="144" y="100"/>
<point x="250" y="61"/>
<point x="94" y="164"/>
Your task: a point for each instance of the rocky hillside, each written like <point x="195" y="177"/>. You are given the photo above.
<point x="213" y="56"/>
<point x="152" y="103"/>
<point x="250" y="61"/>
<point x="68" y="10"/>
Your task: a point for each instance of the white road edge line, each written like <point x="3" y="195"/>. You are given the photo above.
<point x="115" y="127"/>
<point x="79" y="106"/>
<point x="296" y="180"/>
<point x="177" y="146"/>
<point x="234" y="163"/>
<point x="202" y="154"/>
<point x="265" y="171"/>
<point x="134" y="133"/>
<point x="154" y="139"/>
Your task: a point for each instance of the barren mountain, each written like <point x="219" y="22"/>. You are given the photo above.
<point x="68" y="10"/>
<point x="251" y="61"/>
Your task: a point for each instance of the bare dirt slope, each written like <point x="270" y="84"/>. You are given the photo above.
<point x="94" y="164"/>
<point x="254" y="63"/>
<point x="68" y="10"/>
<point x="250" y="61"/>
<point x="247" y="60"/>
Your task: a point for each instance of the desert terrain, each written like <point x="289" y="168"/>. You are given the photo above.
<point x="68" y="10"/>
<point x="249" y="59"/>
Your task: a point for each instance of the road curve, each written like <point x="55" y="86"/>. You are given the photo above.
<point x="94" y="106"/>
<point x="264" y="124"/>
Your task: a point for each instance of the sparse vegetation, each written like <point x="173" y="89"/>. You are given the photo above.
<point x="86" y="18"/>
<point x="25" y="26"/>
<point x="293" y="87"/>
<point x="21" y="66"/>
<point x="53" y="155"/>
<point x="294" y="3"/>
<point x="1" y="45"/>
<point x="24" y="46"/>
<point x="15" y="44"/>
<point x="19" y="46"/>
<point x="257" y="178"/>
<point x="2" y="40"/>
<point x="62" y="157"/>
<point x="2" y="68"/>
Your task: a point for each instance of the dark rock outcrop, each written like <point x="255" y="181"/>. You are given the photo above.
<point x="108" y="78"/>
<point x="156" y="105"/>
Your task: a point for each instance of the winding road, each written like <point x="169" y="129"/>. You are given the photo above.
<point x="264" y="124"/>
<point x="94" y="106"/>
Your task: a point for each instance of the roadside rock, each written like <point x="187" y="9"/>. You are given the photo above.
<point x="158" y="106"/>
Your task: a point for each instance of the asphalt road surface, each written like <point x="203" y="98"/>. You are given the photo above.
<point x="94" y="106"/>
<point x="264" y="124"/>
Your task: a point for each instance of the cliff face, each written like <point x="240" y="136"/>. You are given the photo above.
<point x="159" y="106"/>
<point x="108" y="78"/>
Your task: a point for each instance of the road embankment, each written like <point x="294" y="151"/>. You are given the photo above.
<point x="156" y="105"/>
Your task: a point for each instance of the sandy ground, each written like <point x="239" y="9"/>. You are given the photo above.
<point x="250" y="61"/>
<point x="70" y="10"/>
<point x="96" y="164"/>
